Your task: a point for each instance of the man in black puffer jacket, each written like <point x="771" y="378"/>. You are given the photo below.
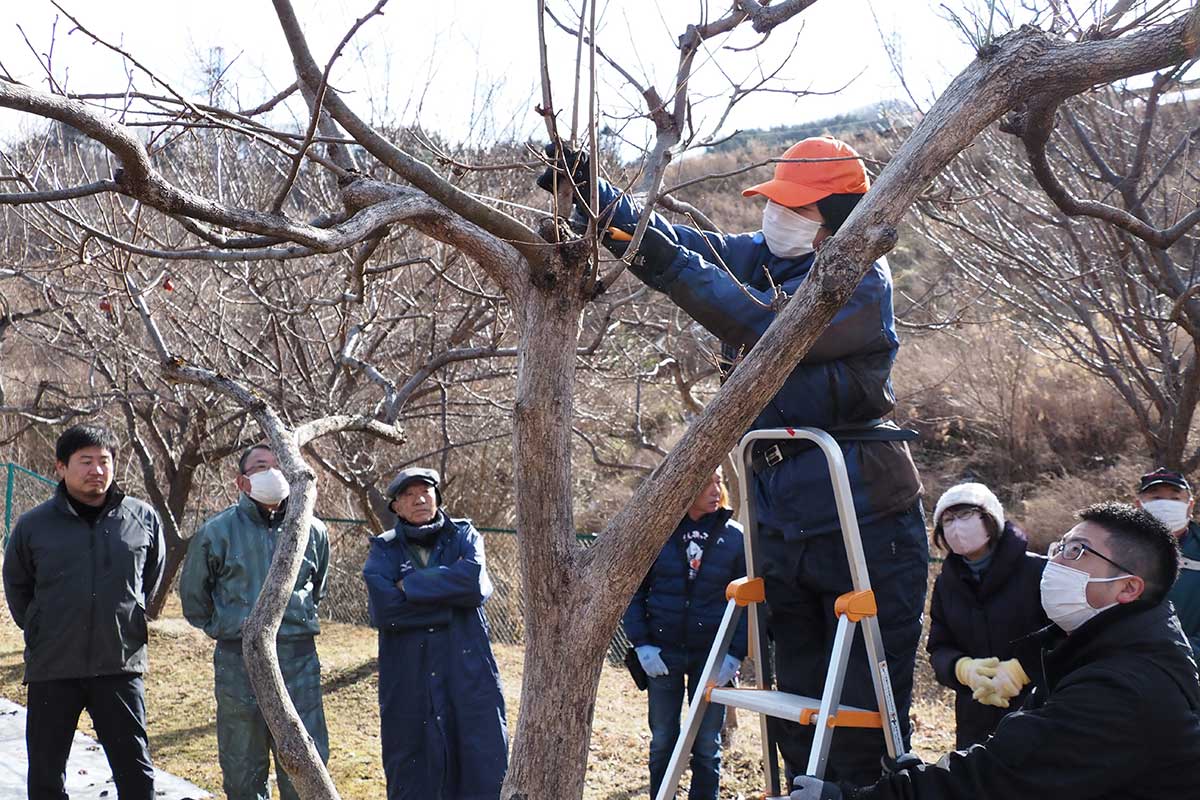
<point x="78" y="570"/>
<point x="672" y="622"/>
<point x="1116" y="708"/>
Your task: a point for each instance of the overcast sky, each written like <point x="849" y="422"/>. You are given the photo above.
<point x="457" y="63"/>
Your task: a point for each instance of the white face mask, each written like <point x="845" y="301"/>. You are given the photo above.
<point x="965" y="536"/>
<point x="1172" y="513"/>
<point x="1064" y="595"/>
<point x="269" y="487"/>
<point x="788" y="234"/>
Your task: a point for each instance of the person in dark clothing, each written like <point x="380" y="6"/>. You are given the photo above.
<point x="731" y="285"/>
<point x="1167" y="495"/>
<point x="78" y="571"/>
<point x="441" y="709"/>
<point x="1115" y="711"/>
<point x="672" y="623"/>
<point x="984" y="600"/>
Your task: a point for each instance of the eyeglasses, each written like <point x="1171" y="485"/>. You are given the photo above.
<point x="1074" y="550"/>
<point x="962" y="514"/>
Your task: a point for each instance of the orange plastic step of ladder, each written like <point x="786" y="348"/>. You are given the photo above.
<point x="745" y="591"/>
<point x="856" y="605"/>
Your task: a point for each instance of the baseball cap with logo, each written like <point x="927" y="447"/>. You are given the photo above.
<point x="1162" y="475"/>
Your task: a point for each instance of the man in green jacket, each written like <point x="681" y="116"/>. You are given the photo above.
<point x="225" y="569"/>
<point x="1167" y="495"/>
<point x="77" y="573"/>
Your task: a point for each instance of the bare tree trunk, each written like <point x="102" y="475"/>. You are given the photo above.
<point x="177" y="546"/>
<point x="294" y="747"/>
<point x="562" y="662"/>
<point x="563" y="659"/>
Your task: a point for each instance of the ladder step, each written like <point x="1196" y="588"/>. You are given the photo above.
<point x="794" y="707"/>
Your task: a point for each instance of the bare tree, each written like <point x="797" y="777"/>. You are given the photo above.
<point x="1092" y="248"/>
<point x="574" y="597"/>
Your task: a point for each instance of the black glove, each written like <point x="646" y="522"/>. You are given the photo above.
<point x="562" y="159"/>
<point x="900" y="763"/>
<point x="652" y="259"/>
<point x="809" y="788"/>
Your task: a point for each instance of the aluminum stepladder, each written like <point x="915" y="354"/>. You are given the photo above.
<point x="855" y="608"/>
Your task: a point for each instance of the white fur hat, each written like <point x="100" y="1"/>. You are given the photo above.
<point x="970" y="494"/>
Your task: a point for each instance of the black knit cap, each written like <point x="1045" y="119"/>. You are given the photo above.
<point x="836" y="208"/>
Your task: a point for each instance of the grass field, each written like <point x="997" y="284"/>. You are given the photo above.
<point x="181" y="713"/>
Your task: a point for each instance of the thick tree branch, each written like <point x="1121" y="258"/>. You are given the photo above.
<point x="411" y="169"/>
<point x="1034" y="127"/>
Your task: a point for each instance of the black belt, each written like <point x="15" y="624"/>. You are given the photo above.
<point x="769" y="454"/>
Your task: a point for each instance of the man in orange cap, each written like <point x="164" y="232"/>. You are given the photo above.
<point x="727" y="283"/>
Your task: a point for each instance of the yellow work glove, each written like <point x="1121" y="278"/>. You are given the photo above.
<point x="976" y="673"/>
<point x="1010" y="679"/>
<point x="988" y="696"/>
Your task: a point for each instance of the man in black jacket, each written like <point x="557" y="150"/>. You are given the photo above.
<point x="78" y="570"/>
<point x="1116" y="708"/>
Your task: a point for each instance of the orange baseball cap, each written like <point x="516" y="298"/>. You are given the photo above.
<point x="805" y="182"/>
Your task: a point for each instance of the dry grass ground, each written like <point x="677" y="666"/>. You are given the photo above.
<point x="182" y="723"/>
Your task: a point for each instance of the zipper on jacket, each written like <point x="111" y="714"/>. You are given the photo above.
<point x="687" y="603"/>
<point x="107" y="544"/>
<point x="94" y="604"/>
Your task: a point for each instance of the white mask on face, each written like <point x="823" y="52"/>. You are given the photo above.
<point x="1172" y="513"/>
<point x="1064" y="595"/>
<point x="965" y="535"/>
<point x="269" y="487"/>
<point x="788" y="234"/>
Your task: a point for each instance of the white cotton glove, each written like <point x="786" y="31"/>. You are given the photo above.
<point x="729" y="668"/>
<point x="809" y="788"/>
<point x="652" y="662"/>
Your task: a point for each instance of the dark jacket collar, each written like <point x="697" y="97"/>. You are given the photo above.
<point x="1190" y="541"/>
<point x="248" y="506"/>
<point x="709" y="522"/>
<point x="780" y="269"/>
<point x="1150" y="630"/>
<point x="112" y="500"/>
<point x="424" y="535"/>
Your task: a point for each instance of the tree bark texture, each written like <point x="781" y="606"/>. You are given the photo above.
<point x="563" y="655"/>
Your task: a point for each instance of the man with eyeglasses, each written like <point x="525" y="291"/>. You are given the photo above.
<point x="1115" y="712"/>
<point x="1167" y="495"/>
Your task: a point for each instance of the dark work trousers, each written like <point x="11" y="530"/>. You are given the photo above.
<point x="665" y="697"/>
<point x="117" y="706"/>
<point x="244" y="742"/>
<point x="803" y="579"/>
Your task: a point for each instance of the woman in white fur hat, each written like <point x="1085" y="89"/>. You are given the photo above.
<point x="986" y="597"/>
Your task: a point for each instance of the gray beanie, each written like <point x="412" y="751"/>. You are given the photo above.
<point x="970" y="494"/>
